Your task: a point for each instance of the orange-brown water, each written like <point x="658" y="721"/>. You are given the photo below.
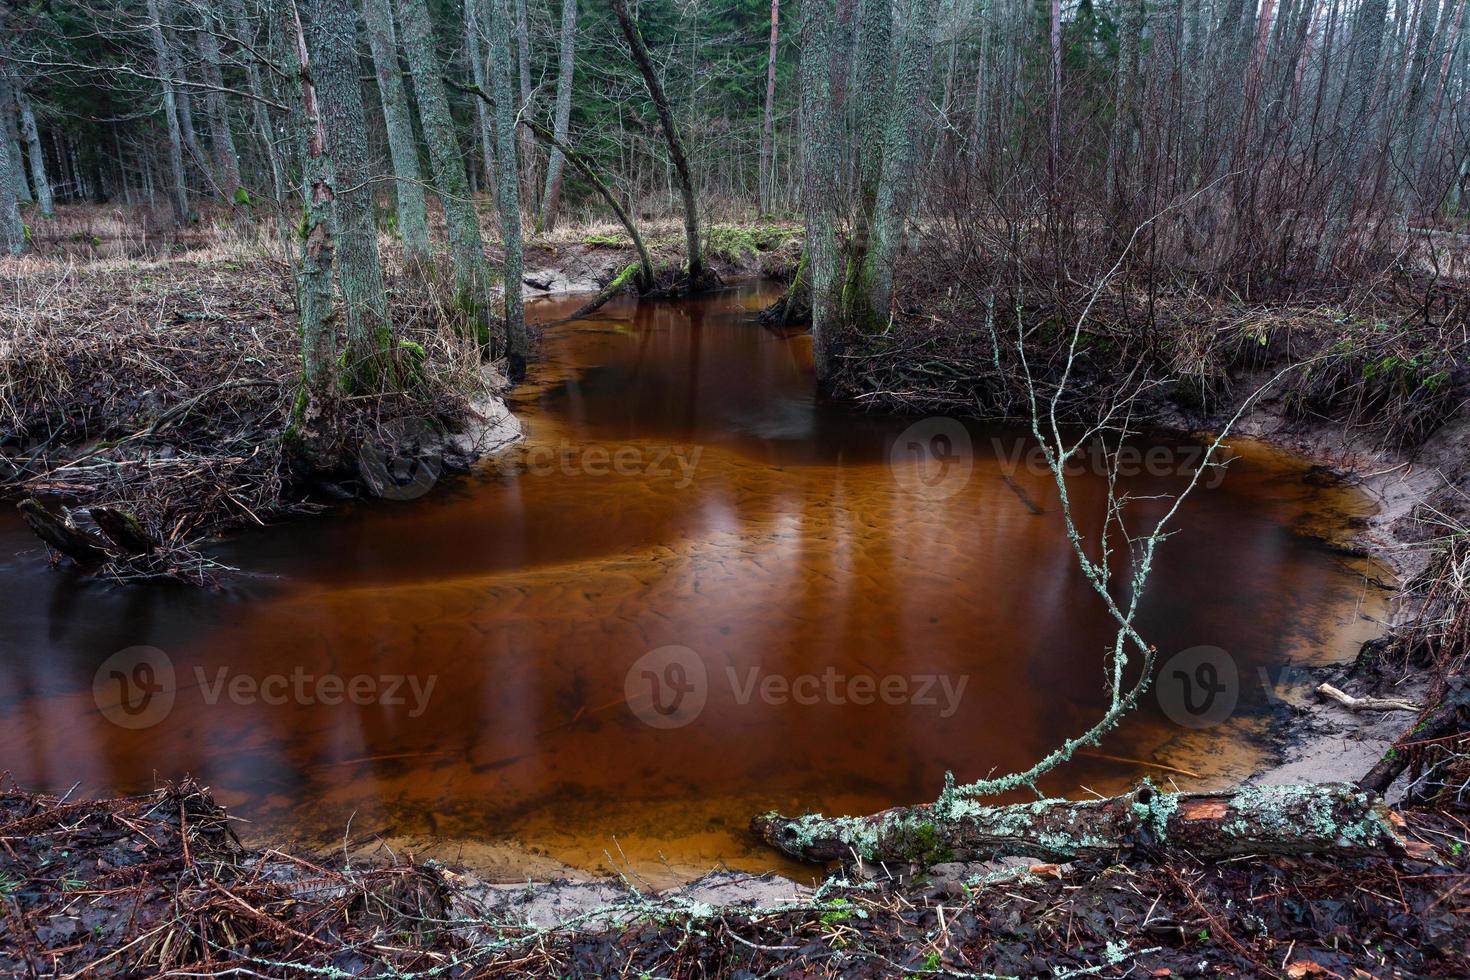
<point x="681" y="485"/>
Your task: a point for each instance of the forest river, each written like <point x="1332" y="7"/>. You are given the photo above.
<point x="695" y="592"/>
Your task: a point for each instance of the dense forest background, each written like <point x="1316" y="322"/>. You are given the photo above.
<point x="1316" y="112"/>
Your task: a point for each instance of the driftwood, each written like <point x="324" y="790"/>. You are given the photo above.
<point x="1364" y="704"/>
<point x="1334" y="818"/>
<point x="62" y="534"/>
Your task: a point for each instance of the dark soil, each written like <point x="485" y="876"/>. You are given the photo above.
<point x="159" y="884"/>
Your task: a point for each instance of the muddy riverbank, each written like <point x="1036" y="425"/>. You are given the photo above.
<point x="1268" y="567"/>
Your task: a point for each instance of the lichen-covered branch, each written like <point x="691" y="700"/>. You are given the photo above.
<point x="1331" y="818"/>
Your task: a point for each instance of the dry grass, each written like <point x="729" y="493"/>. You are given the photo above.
<point x="164" y="383"/>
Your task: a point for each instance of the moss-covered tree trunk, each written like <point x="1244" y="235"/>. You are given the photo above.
<point x="332" y="33"/>
<point x="903" y="125"/>
<point x="408" y="188"/>
<point x="819" y="156"/>
<point x="671" y="136"/>
<point x="313" y="419"/>
<point x="466" y="247"/>
<point x="874" y="53"/>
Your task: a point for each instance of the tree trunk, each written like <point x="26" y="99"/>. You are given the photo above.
<point x="413" y="221"/>
<point x="561" y="124"/>
<point x="1358" y="88"/>
<point x="335" y="71"/>
<point x="259" y="112"/>
<point x="313" y="418"/>
<point x="524" y="108"/>
<point x="819" y="161"/>
<point x="221" y="138"/>
<point x="671" y="136"/>
<point x="11" y="135"/>
<point x="905" y="120"/>
<point x="475" y="38"/>
<point x="179" y="187"/>
<point x="768" y="120"/>
<point x="467" y="248"/>
<point x="874" y="106"/>
<point x="1334" y="819"/>
<point x="44" y="199"/>
<point x="508" y="189"/>
<point x="12" y="228"/>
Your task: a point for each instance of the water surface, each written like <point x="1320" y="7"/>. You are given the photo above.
<point x="681" y="485"/>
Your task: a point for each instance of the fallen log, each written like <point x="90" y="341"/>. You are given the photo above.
<point x="62" y="534"/>
<point x="622" y="281"/>
<point x="1333" y="818"/>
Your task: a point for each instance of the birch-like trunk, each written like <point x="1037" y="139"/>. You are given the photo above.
<point x="163" y="63"/>
<point x="333" y="35"/>
<point x="561" y="124"/>
<point x="474" y="42"/>
<point x="44" y="198"/>
<point x="408" y="188"/>
<point x="466" y="247"/>
<point x="524" y="107"/>
<point x="507" y="188"/>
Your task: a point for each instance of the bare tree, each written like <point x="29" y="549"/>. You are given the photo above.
<point x="508" y="188"/>
<point x="408" y="189"/>
<point x="466" y="247"/>
<point x="163" y="62"/>
<point x="819" y="177"/>
<point x="561" y="123"/>
<point x="671" y="136"/>
<point x="12" y="228"/>
<point x="43" y="196"/>
<point x="768" y="116"/>
<point x="333" y="35"/>
<point x="221" y="137"/>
